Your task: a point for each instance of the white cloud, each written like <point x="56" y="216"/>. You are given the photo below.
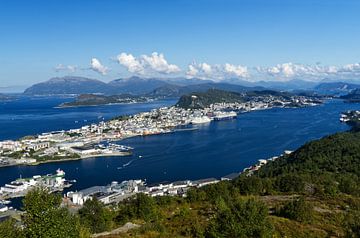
<point x="351" y="68"/>
<point x="216" y="72"/>
<point x="70" y="68"/>
<point x="206" y="68"/>
<point x="98" y="67"/>
<point x="147" y="64"/>
<point x="158" y="63"/>
<point x="287" y="71"/>
<point x="237" y="70"/>
<point x="192" y="71"/>
<point x="131" y="63"/>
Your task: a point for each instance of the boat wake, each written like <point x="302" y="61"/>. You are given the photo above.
<point x="125" y="165"/>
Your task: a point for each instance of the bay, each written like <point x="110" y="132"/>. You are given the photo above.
<point x="214" y="150"/>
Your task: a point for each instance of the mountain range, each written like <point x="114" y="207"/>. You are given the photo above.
<point x="175" y="87"/>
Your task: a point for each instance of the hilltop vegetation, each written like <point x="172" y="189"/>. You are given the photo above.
<point x="204" y="99"/>
<point x="198" y="100"/>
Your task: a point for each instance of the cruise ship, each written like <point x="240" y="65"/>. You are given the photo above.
<point x="200" y="120"/>
<point x="219" y="116"/>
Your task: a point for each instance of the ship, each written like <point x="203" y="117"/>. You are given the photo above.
<point x="220" y="116"/>
<point x="200" y="120"/>
<point x="19" y="187"/>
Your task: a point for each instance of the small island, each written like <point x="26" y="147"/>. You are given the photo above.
<point x="96" y="99"/>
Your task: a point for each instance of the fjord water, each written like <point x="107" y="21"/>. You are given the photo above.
<point x="214" y="150"/>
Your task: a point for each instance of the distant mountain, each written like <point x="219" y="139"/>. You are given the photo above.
<point x="68" y="85"/>
<point x="336" y="88"/>
<point x="295" y="84"/>
<point x="353" y="97"/>
<point x="136" y="85"/>
<point x="177" y="91"/>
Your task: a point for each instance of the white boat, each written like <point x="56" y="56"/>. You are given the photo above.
<point x="200" y="120"/>
<point x="224" y="115"/>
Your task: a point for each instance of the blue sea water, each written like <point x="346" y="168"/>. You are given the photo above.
<point x="214" y="150"/>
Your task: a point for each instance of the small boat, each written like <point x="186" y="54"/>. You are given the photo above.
<point x="4" y="202"/>
<point x="140" y="156"/>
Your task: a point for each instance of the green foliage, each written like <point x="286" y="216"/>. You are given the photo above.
<point x="298" y="210"/>
<point x="95" y="216"/>
<point x="9" y="229"/>
<point x="140" y="207"/>
<point x="241" y="218"/>
<point x="352" y="224"/>
<point x="202" y="100"/>
<point x="329" y="165"/>
<point x="45" y="218"/>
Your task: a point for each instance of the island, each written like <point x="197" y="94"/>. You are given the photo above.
<point x="95" y="100"/>
<point x="96" y="140"/>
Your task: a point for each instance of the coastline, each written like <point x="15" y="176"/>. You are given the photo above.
<point x="96" y="105"/>
<point x="170" y="130"/>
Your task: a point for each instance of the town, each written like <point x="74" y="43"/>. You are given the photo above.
<point x="95" y="140"/>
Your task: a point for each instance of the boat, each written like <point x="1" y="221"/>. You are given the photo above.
<point x="200" y="120"/>
<point x="220" y="116"/>
<point x="19" y="187"/>
<point x="5" y="202"/>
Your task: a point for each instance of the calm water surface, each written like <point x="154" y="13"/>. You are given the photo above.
<point x="213" y="150"/>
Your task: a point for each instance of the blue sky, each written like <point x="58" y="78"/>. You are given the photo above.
<point x="218" y="39"/>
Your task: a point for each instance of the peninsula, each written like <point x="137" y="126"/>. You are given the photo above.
<point x="94" y="140"/>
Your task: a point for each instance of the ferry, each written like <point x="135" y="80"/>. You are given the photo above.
<point x="20" y="186"/>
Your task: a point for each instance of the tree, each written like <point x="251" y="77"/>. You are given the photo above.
<point x="298" y="210"/>
<point x="9" y="229"/>
<point x="95" y="216"/>
<point x="242" y="218"/>
<point x="140" y="207"/>
<point x="45" y="218"/>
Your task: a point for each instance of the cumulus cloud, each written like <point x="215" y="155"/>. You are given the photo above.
<point x="287" y="71"/>
<point x="131" y="63"/>
<point x="354" y="68"/>
<point x="158" y="63"/>
<point x="236" y="70"/>
<point x="147" y="64"/>
<point x="192" y="71"/>
<point x="69" y="68"/>
<point x="216" y="72"/>
<point x="98" y="67"/>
